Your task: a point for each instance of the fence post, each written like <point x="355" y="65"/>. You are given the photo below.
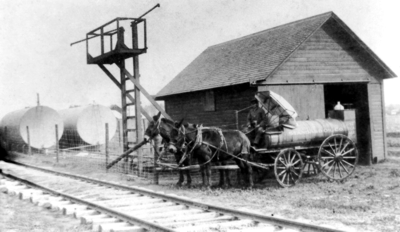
<point x="29" y="141"/>
<point x="156" y="143"/>
<point x="57" y="145"/>
<point x="6" y="139"/>
<point x="106" y="148"/>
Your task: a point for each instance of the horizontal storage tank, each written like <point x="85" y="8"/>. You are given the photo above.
<point x="86" y="125"/>
<point x="307" y="132"/>
<point x="41" y="121"/>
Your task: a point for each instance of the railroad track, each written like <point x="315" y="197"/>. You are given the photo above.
<point x="112" y="207"/>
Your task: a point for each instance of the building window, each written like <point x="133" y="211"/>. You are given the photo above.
<point x="209" y="100"/>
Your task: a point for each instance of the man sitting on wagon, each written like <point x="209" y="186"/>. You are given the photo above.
<point x="260" y="121"/>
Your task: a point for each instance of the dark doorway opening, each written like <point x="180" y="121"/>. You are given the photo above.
<point x="353" y="96"/>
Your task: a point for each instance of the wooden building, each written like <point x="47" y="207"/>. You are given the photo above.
<point x="313" y="63"/>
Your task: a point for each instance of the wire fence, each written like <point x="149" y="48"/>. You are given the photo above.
<point x="89" y="150"/>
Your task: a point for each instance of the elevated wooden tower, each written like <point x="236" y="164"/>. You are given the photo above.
<point x="117" y="53"/>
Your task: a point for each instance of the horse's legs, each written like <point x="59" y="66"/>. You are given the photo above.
<point x="250" y="175"/>
<point x="208" y="175"/>
<point x="228" y="178"/>
<point x="238" y="176"/>
<point x="221" y="178"/>
<point x="225" y="174"/>
<point x="249" y="170"/>
<point x="221" y="175"/>
<point x="181" y="178"/>
<point x="188" y="178"/>
<point x="203" y="179"/>
<point x="243" y="172"/>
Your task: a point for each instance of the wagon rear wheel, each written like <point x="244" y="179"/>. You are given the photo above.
<point x="338" y="157"/>
<point x="288" y="167"/>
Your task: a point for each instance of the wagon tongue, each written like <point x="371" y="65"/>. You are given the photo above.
<point x="277" y="105"/>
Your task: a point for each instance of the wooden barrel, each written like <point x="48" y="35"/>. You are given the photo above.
<point x="306" y="133"/>
<point x="40" y="120"/>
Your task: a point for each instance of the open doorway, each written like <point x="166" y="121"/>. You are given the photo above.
<point x="353" y="96"/>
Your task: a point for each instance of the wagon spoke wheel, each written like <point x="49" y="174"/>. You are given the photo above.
<point x="338" y="157"/>
<point x="288" y="167"/>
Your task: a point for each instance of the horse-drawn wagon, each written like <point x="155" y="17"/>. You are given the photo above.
<point x="291" y="148"/>
<point x="306" y="147"/>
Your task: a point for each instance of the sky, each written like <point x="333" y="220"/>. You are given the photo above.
<point x="36" y="56"/>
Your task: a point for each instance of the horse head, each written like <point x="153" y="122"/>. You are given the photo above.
<point x="152" y="129"/>
<point x="168" y="129"/>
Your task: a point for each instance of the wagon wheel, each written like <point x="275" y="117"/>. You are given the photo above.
<point x="337" y="157"/>
<point x="288" y="167"/>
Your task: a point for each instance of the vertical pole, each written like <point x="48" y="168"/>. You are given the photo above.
<point x="120" y="41"/>
<point x="237" y="119"/>
<point x="29" y="141"/>
<point x="6" y="138"/>
<point x="102" y="40"/>
<point x="119" y="132"/>
<point x="106" y="148"/>
<point x="38" y="99"/>
<point x="156" y="145"/>
<point x="138" y="113"/>
<point x="87" y="48"/>
<point x="123" y="94"/>
<point x="111" y="42"/>
<point x="57" y="145"/>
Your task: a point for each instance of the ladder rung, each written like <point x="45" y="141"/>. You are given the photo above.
<point x="130" y="129"/>
<point x="128" y="117"/>
<point x="129" y="104"/>
<point x="130" y="90"/>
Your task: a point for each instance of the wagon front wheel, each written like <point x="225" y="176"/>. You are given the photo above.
<point x="288" y="167"/>
<point x="337" y="157"/>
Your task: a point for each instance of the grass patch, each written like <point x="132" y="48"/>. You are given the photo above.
<point x="394" y="173"/>
<point x="332" y="205"/>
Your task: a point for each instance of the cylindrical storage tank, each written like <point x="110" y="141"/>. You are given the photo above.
<point x="40" y="120"/>
<point x="86" y="125"/>
<point x="307" y="132"/>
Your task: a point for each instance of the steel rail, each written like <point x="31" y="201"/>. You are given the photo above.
<point x="241" y="214"/>
<point x="134" y="220"/>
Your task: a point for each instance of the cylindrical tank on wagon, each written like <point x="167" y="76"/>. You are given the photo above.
<point x="306" y="133"/>
<point x="40" y="120"/>
<point x="86" y="124"/>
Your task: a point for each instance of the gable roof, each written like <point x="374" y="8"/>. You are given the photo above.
<point x="250" y="58"/>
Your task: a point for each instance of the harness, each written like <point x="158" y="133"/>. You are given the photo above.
<point x="196" y="143"/>
<point x="199" y="141"/>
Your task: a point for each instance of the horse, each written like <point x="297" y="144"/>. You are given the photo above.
<point x="212" y="144"/>
<point x="164" y="127"/>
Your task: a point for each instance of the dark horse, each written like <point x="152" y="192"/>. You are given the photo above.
<point x="212" y="144"/>
<point x="165" y="127"/>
